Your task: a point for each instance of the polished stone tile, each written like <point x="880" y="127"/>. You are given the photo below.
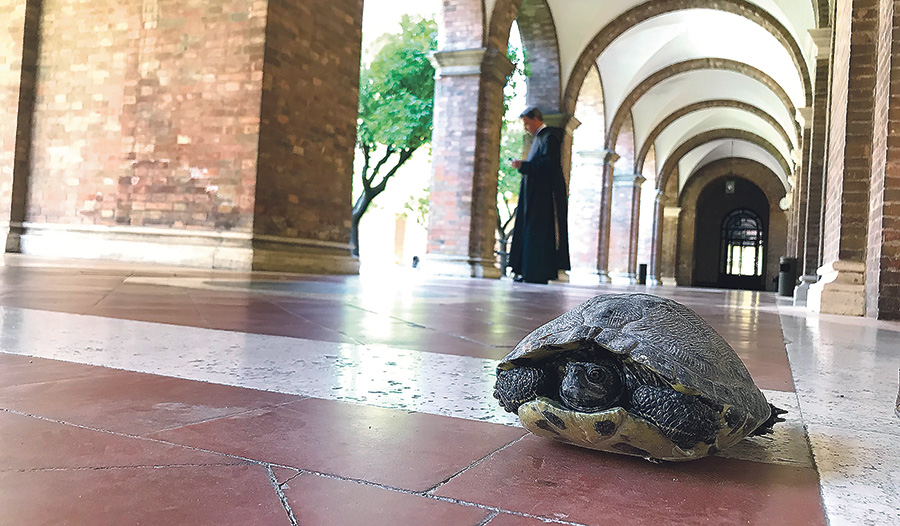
<point x="860" y="475"/>
<point x="509" y="519"/>
<point x="322" y="501"/>
<point x="133" y="403"/>
<point x="556" y="481"/>
<point x="31" y="443"/>
<point x="238" y="495"/>
<point x="411" y="451"/>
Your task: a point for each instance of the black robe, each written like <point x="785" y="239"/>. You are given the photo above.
<point x="540" y="244"/>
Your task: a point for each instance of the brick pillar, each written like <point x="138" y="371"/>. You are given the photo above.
<point x="606" y="199"/>
<point x="18" y="68"/>
<point x="626" y="208"/>
<point x="468" y="112"/>
<point x="654" y="265"/>
<point x="883" y="258"/>
<point x="585" y="189"/>
<point x="850" y="160"/>
<point x="569" y="124"/>
<point x="810" y="256"/>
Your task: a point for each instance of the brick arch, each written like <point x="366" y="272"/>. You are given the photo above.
<point x="538" y="32"/>
<point x="822" y="8"/>
<point x="654" y="8"/>
<point x="693" y="65"/>
<point x="461" y="25"/>
<point x="725" y="133"/>
<point x="698" y="106"/>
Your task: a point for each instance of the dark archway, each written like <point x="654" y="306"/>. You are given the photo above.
<point x="731" y="237"/>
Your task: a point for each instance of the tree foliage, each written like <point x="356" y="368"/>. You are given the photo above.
<point x="396" y="103"/>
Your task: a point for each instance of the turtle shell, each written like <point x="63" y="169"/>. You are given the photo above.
<point x="666" y="338"/>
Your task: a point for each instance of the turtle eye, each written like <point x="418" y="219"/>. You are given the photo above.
<point x="595" y="374"/>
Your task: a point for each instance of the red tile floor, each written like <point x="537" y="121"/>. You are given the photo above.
<point x="104" y="420"/>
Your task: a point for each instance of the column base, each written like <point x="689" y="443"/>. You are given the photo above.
<point x="212" y="250"/>
<point x="622" y="278"/>
<point x="801" y="291"/>
<point x="459" y="266"/>
<point x="584" y="276"/>
<point x="842" y="289"/>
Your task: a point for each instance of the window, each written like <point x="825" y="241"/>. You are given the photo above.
<point x="742" y="243"/>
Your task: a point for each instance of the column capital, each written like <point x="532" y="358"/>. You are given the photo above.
<point x="471" y="62"/>
<point x="804" y="117"/>
<point x="672" y="211"/>
<point x="628" y="179"/>
<point x="562" y="120"/>
<point x="821" y="42"/>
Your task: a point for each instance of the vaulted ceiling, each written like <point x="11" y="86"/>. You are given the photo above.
<point x="694" y="81"/>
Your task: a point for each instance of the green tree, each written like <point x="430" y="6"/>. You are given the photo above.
<point x="396" y="101"/>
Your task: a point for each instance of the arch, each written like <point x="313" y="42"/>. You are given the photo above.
<point x="698" y="106"/>
<point x="759" y="175"/>
<point x="693" y="65"/>
<point x="653" y="8"/>
<point x="538" y="32"/>
<point x="728" y="133"/>
<point x="462" y="27"/>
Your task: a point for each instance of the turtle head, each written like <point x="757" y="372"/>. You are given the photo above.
<point x="591" y="386"/>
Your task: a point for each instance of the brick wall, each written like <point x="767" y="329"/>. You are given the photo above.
<point x="308" y="119"/>
<point x="883" y="261"/>
<point x="147" y="113"/>
<point x="850" y="156"/>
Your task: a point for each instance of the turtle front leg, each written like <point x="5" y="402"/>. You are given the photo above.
<point x="683" y="418"/>
<point x="516" y="386"/>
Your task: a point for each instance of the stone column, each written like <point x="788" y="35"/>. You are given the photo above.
<point x="585" y="188"/>
<point x="850" y="160"/>
<point x="656" y="244"/>
<point x="468" y="113"/>
<point x="625" y="216"/>
<point x="816" y="121"/>
<point x="606" y="198"/>
<point x="669" y="257"/>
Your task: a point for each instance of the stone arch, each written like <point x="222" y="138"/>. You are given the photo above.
<point x="756" y="173"/>
<point x="726" y="133"/>
<point x="697" y="106"/>
<point x="538" y="32"/>
<point x="461" y="27"/>
<point x="653" y="8"/>
<point x="624" y="110"/>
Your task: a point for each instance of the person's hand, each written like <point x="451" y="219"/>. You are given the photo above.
<point x="516" y="163"/>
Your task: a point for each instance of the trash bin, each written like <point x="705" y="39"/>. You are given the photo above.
<point x="787" y="276"/>
<point x="642" y="274"/>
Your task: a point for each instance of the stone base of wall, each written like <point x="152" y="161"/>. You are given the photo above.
<point x="842" y="289"/>
<point x="212" y="250"/>
<point x="459" y="266"/>
<point x="622" y="278"/>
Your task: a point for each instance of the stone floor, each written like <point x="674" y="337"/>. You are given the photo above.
<point x="147" y="395"/>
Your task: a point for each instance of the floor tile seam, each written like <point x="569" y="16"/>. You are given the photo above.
<point x="425" y="494"/>
<point x="126" y="467"/>
<point x="134" y="437"/>
<point x="229" y="415"/>
<point x="481" y="460"/>
<point x="279" y="492"/>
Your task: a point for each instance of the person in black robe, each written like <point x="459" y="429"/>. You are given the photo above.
<point x="540" y="246"/>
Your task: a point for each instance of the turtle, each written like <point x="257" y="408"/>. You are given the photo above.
<point x="635" y="374"/>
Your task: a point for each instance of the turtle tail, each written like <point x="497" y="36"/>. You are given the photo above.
<point x="774" y="417"/>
